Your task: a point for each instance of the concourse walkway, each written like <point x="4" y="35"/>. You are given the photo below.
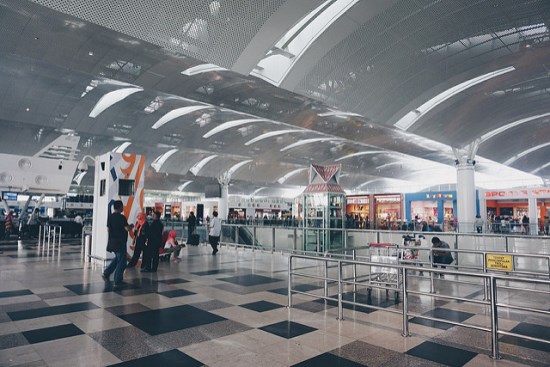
<point x="230" y="310"/>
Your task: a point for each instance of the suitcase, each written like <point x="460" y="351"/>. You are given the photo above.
<point x="194" y="240"/>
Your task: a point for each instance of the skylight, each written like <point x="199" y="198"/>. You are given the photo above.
<point x="283" y="179"/>
<point x="413" y="116"/>
<point x="202" y="68"/>
<point x="524" y="153"/>
<point x="540" y="168"/>
<point x="272" y="134"/>
<point x="200" y="164"/>
<point x="184" y="185"/>
<point x="368" y="152"/>
<point x="229" y="125"/>
<point x="159" y="162"/>
<point x="236" y="167"/>
<point x="281" y="58"/>
<point x="111" y="98"/>
<point x="502" y="129"/>
<point x="309" y="141"/>
<point x="178" y="112"/>
<point x="122" y="147"/>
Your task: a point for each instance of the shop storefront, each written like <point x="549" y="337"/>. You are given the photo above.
<point x="431" y="210"/>
<point x="358" y="211"/>
<point x="388" y="209"/>
<point x="507" y="209"/>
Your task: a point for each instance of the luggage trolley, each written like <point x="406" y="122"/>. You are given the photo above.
<point x="412" y="256"/>
<point x="384" y="253"/>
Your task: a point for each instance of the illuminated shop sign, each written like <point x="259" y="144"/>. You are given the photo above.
<point x="517" y="193"/>
<point x="387" y="199"/>
<point x="357" y="200"/>
<point x="440" y="196"/>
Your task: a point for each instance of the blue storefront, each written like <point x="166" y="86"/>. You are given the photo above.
<point x="433" y="206"/>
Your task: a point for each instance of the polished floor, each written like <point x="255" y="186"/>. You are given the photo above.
<point x="230" y="310"/>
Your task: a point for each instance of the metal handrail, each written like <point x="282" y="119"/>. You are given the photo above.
<point x="491" y="279"/>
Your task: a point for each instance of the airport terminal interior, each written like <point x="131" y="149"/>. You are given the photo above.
<point x="380" y="169"/>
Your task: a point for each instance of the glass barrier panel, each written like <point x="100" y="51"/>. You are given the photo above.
<point x="284" y="239"/>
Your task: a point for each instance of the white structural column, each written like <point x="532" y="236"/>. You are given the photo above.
<point x="466" y="197"/>
<point x="533" y="216"/>
<point x="465" y="187"/>
<point x="223" y="206"/>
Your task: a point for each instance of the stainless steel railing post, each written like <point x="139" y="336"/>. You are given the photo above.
<point x="273" y="240"/>
<point x="405" y="303"/>
<point x="39" y="234"/>
<point x="485" y="280"/>
<point x="59" y="245"/>
<point x="49" y="237"/>
<point x="290" y="281"/>
<point x="494" y="319"/>
<point x="354" y="252"/>
<point x="326" y="280"/>
<point x="340" y="291"/>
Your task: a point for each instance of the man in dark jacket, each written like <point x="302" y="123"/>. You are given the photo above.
<point x="118" y="228"/>
<point x="191" y="224"/>
<point x="154" y="242"/>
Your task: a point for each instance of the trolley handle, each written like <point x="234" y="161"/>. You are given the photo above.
<point x="376" y="244"/>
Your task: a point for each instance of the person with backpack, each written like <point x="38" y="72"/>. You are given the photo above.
<point x="440" y="257"/>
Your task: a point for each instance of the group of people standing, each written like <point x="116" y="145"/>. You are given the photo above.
<point x="148" y="239"/>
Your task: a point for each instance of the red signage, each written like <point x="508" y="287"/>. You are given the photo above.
<point x="517" y="193"/>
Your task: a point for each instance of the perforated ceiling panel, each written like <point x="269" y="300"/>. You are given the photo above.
<point x="212" y="31"/>
<point x="417" y="45"/>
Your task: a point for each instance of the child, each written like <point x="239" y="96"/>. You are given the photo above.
<point x="172" y="245"/>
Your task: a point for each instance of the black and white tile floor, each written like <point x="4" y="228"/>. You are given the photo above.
<point x="229" y="310"/>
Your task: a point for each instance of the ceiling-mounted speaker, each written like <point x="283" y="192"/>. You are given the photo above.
<point x="5" y="177"/>
<point x="41" y="180"/>
<point x="24" y="163"/>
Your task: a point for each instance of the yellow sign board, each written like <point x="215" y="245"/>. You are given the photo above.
<point x="499" y="262"/>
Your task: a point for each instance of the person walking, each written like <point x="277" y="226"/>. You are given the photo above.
<point x="8" y="225"/>
<point x="478" y="223"/>
<point x="191" y="224"/>
<point x="441" y="257"/>
<point x="154" y="242"/>
<point x="215" y="231"/>
<point x="118" y="228"/>
<point x="141" y="231"/>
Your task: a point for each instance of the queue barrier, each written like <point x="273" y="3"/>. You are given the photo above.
<point x="49" y="235"/>
<point x="487" y="278"/>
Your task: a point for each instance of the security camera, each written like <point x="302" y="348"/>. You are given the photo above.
<point x="83" y="167"/>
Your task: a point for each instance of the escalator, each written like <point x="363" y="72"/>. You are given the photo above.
<point x="246" y="237"/>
